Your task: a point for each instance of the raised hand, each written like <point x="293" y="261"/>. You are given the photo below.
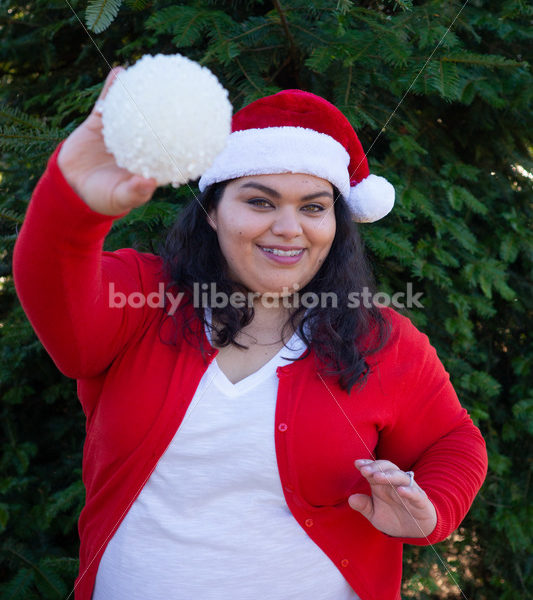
<point x="395" y="507"/>
<point x="93" y="173"/>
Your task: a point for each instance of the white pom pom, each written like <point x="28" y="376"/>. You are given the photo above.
<point x="371" y="199"/>
<point x="166" y="117"/>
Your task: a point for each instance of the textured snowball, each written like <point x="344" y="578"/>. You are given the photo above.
<point x="166" y="117"/>
<point x="371" y="199"/>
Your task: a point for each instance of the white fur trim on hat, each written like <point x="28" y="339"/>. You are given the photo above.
<point x="280" y="150"/>
<point x="371" y="199"/>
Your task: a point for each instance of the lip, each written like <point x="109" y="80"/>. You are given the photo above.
<point x="282" y="260"/>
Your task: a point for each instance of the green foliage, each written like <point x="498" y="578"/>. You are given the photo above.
<point x="100" y="14"/>
<point x="444" y="114"/>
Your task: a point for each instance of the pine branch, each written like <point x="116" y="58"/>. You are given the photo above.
<point x="35" y="568"/>
<point x="11" y="215"/>
<point x="484" y="60"/>
<point x="293" y="49"/>
<point x="101" y="13"/>
<point x="16" y="116"/>
<point x="285" y="25"/>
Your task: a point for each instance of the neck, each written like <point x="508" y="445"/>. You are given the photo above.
<point x="269" y="321"/>
<point x="268" y="325"/>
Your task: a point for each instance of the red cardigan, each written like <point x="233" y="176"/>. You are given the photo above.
<point x="135" y="390"/>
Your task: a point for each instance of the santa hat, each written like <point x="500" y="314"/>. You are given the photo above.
<point x="298" y="132"/>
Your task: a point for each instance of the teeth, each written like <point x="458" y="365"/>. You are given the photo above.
<point x="283" y="252"/>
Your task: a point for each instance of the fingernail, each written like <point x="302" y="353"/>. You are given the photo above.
<point x="363" y="461"/>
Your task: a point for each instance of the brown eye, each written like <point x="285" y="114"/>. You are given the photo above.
<point x="313" y="208"/>
<point x="259" y="202"/>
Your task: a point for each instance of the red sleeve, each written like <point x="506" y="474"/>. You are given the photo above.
<point x="64" y="279"/>
<point x="430" y="432"/>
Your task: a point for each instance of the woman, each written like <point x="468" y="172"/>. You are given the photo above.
<point x="250" y="446"/>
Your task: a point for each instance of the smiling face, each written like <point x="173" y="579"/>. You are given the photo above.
<point x="275" y="230"/>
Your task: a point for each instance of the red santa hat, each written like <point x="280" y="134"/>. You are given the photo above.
<point x="298" y="132"/>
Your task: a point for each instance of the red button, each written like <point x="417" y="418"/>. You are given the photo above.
<point x="282" y="426"/>
<point x="345" y="562"/>
<point x="309" y="522"/>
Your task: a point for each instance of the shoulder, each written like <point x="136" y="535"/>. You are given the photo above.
<point x="405" y="341"/>
<point x="146" y="266"/>
<point x="401" y="328"/>
<point x="129" y="258"/>
<point x="132" y="256"/>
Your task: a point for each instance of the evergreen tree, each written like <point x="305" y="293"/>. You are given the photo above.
<point x="439" y="93"/>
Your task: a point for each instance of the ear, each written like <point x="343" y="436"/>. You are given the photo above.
<point x="212" y="219"/>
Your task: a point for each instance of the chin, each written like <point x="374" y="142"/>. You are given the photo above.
<point x="282" y="289"/>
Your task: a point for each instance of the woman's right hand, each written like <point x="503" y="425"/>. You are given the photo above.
<point x="92" y="171"/>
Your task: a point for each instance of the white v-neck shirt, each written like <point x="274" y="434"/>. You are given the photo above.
<point x="212" y="523"/>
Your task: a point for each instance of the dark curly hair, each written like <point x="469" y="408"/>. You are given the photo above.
<point x="334" y="333"/>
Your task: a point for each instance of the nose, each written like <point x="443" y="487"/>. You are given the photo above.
<point x="287" y="223"/>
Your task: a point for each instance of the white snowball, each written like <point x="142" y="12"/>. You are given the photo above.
<point x="166" y="117"/>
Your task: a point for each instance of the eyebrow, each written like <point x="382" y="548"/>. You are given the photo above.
<point x="276" y="194"/>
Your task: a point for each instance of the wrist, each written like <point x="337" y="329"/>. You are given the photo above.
<point x="66" y="169"/>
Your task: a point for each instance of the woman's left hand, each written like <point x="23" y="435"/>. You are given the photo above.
<point x="395" y="507"/>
